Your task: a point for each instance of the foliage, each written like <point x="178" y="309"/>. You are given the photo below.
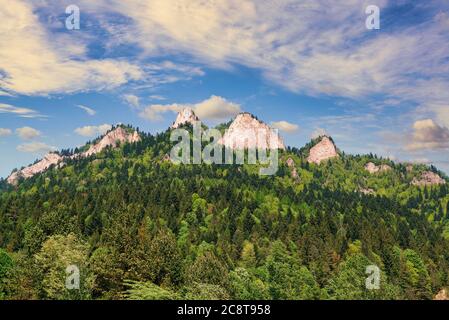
<point x="140" y="227"/>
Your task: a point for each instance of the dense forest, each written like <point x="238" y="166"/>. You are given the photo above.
<point x="139" y="227"/>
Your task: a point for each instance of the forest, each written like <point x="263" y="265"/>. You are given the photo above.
<point x="139" y="227"/>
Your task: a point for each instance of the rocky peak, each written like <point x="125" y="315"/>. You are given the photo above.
<point x="372" y="168"/>
<point x="48" y="160"/>
<point x="246" y="131"/>
<point x="323" y="150"/>
<point x="291" y="164"/>
<point x="186" y="115"/>
<point x="428" y="178"/>
<point x="112" y="139"/>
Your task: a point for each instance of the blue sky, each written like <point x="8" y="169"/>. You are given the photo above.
<point x="306" y="67"/>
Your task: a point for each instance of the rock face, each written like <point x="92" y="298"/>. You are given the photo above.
<point x="323" y="150"/>
<point x="49" y="160"/>
<point x="291" y="164"/>
<point x="442" y="295"/>
<point x="428" y="178"/>
<point x="186" y="115"/>
<point x="112" y="139"/>
<point x="248" y="132"/>
<point x="372" y="168"/>
<point x="367" y="191"/>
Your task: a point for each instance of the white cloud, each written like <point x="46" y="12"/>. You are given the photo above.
<point x="157" y="97"/>
<point x="5" y="132"/>
<point x="309" y="46"/>
<point x="214" y="108"/>
<point x="27" y="133"/>
<point x="428" y="135"/>
<point x="35" y="147"/>
<point x="131" y="100"/>
<point x="35" y="62"/>
<point x="285" y="126"/>
<point x="88" y="110"/>
<point x="154" y="112"/>
<point x="20" y="111"/>
<point x="92" y="131"/>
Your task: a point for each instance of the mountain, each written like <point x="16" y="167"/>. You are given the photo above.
<point x="246" y="131"/>
<point x="113" y="138"/>
<point x="186" y="115"/>
<point x="141" y="227"/>
<point x="323" y="150"/>
<point x="49" y="160"/>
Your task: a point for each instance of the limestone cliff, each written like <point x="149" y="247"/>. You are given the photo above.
<point x="49" y="160"/>
<point x="186" y="115"/>
<point x="246" y="131"/>
<point x="323" y="150"/>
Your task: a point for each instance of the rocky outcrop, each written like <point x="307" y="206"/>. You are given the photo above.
<point x="49" y="160"/>
<point x="372" y="168"/>
<point x="186" y="115"/>
<point x="428" y="178"/>
<point x="442" y="295"/>
<point x="112" y="139"/>
<point x="323" y="150"/>
<point x="291" y="164"/>
<point x="367" y="191"/>
<point x="248" y="132"/>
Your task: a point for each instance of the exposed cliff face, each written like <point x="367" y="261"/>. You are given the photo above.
<point x="323" y="150"/>
<point x="291" y="164"/>
<point x="428" y="178"/>
<point x="49" y="160"/>
<point x="112" y="139"/>
<point x="248" y="132"/>
<point x="186" y="115"/>
<point x="367" y="191"/>
<point x="442" y="295"/>
<point x="372" y="168"/>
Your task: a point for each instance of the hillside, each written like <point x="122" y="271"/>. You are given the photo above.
<point x="141" y="227"/>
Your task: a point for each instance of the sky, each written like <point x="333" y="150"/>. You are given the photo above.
<point x="305" y="67"/>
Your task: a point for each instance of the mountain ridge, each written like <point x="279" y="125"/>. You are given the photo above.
<point x="130" y="210"/>
<point x="240" y="133"/>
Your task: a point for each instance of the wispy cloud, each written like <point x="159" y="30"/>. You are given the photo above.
<point x="35" y="147"/>
<point x="285" y="126"/>
<point x="88" y="110"/>
<point x="157" y="97"/>
<point x="20" y="111"/>
<point x="34" y="65"/>
<point x="92" y="131"/>
<point x="132" y="100"/>
<point x="323" y="49"/>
